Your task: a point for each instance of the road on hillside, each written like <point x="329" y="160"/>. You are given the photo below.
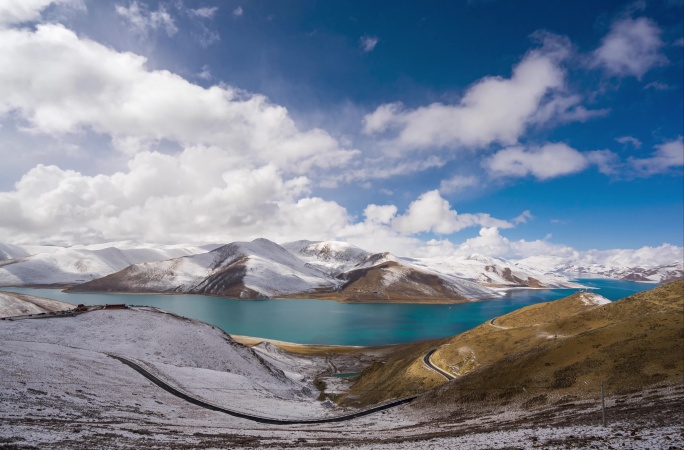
<point x="426" y="360"/>
<point x="251" y="417"/>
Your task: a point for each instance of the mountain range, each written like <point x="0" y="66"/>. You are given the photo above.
<point x="304" y="269"/>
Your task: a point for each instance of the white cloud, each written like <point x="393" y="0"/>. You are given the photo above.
<point x="378" y="168"/>
<point x="205" y="73"/>
<point x="61" y="84"/>
<point x="368" y="43"/>
<point x="494" y="109"/>
<point x="457" y="183"/>
<point x="142" y="21"/>
<point x="631" y="48"/>
<point x="200" y="194"/>
<point x="380" y="214"/>
<point x="666" y="157"/>
<point x="548" y="161"/>
<point x="524" y="217"/>
<point x="432" y="213"/>
<point x="544" y="255"/>
<point x="204" y="13"/>
<point x="636" y="143"/>
<point x="238" y="12"/>
<point x="19" y="11"/>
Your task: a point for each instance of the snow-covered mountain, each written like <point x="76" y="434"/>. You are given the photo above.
<point x="45" y="265"/>
<point x="652" y="273"/>
<point x="657" y="274"/>
<point x="495" y="272"/>
<point x="262" y="268"/>
<point x="325" y="269"/>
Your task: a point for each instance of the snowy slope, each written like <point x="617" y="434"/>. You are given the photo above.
<point x="334" y="257"/>
<point x="577" y="266"/>
<point x="60" y="265"/>
<point x="260" y="268"/>
<point x="264" y="269"/>
<point x="192" y="355"/>
<point x="496" y="272"/>
<point x="12" y="304"/>
<point x="9" y="251"/>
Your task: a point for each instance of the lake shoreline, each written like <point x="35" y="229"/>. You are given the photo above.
<point x="336" y="324"/>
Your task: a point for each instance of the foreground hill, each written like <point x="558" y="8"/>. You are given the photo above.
<point x="546" y="352"/>
<point x="12" y="304"/>
<point x="70" y="355"/>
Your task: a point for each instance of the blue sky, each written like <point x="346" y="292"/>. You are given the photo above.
<point x="508" y="128"/>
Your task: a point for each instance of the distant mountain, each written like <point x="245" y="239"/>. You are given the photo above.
<point x="51" y="265"/>
<point x="658" y="274"/>
<point x="304" y="269"/>
<point x="264" y="269"/>
<point x="494" y="272"/>
<point x="9" y="251"/>
<point x="652" y="273"/>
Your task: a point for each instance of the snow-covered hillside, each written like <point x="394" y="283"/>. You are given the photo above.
<point x="496" y="272"/>
<point x="334" y="257"/>
<point x="260" y="268"/>
<point x="34" y="265"/>
<point x="12" y="304"/>
<point x="264" y="269"/>
<point x="329" y="269"/>
<point x="653" y="273"/>
<point x="193" y="356"/>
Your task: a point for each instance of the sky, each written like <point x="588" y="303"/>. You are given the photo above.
<point x="508" y="128"/>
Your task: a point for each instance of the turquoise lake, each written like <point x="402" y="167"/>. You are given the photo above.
<point x="333" y="323"/>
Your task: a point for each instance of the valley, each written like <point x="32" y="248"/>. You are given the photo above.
<point x="532" y="373"/>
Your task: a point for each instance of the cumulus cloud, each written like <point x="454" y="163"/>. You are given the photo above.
<point x="432" y="213"/>
<point x="380" y="214"/>
<point x="238" y="12"/>
<point x="666" y="157"/>
<point x="548" y="161"/>
<point x="143" y="21"/>
<point x="19" y="11"/>
<point x="59" y="83"/>
<point x="495" y="109"/>
<point x="631" y="48"/>
<point x="200" y="194"/>
<point x="457" y="183"/>
<point x="545" y="255"/>
<point x="368" y="43"/>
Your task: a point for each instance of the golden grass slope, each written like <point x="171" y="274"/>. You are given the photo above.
<point x="560" y="349"/>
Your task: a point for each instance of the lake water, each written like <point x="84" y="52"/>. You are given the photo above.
<point x="333" y="323"/>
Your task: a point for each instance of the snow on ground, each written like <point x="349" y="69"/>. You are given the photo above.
<point x="60" y="390"/>
<point x="197" y="355"/>
<point x="590" y="298"/>
<point x="12" y="304"/>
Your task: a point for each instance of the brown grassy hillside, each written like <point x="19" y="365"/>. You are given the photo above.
<point x="560" y="349"/>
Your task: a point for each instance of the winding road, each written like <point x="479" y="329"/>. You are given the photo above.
<point x="426" y="360"/>
<point x="271" y="421"/>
